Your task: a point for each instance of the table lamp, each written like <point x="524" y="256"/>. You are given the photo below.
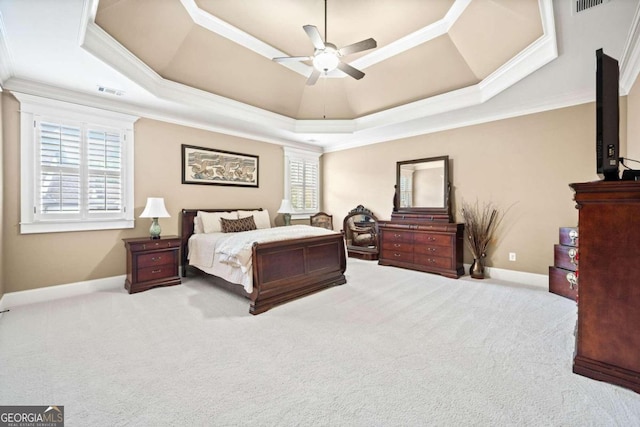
<point x="286" y="209"/>
<point x="155" y="209"/>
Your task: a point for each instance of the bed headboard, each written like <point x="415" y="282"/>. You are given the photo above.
<point x="186" y="230"/>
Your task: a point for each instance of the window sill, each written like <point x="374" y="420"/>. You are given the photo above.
<point x="63" y="227"/>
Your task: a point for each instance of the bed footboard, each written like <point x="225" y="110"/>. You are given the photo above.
<point x="286" y="270"/>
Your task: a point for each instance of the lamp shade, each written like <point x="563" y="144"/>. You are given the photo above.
<point x="285" y="206"/>
<point x="155" y="208"/>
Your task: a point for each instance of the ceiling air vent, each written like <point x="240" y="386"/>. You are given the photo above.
<point x="582" y="5"/>
<point x="110" y="91"/>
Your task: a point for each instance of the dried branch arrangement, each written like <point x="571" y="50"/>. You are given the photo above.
<point x="480" y="224"/>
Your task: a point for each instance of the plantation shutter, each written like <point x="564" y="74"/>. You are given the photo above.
<point x="104" y="171"/>
<point x="80" y="172"/>
<point x="304" y="184"/>
<point x="59" y="184"/>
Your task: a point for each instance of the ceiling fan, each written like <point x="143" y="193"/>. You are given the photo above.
<point x="326" y="56"/>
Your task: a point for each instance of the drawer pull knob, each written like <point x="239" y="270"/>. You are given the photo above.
<point x="572" y="278"/>
<point x="573" y="256"/>
<point x="573" y="236"/>
<point x="396" y="245"/>
<point x="397" y="254"/>
<point x="156" y="258"/>
<point x="396" y="235"/>
<point x="431" y="249"/>
<point x="431" y="239"/>
<point x="156" y="271"/>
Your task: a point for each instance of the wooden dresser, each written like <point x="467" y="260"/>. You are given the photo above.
<point x="152" y="262"/>
<point x="434" y="247"/>
<point x="607" y="337"/>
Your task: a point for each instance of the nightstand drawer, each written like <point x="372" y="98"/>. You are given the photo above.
<point x="154" y="244"/>
<point x="157" y="258"/>
<point x="158" y="272"/>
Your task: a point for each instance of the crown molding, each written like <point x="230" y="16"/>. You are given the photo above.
<point x="5" y="55"/>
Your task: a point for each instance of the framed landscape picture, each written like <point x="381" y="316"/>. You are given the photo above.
<point x="216" y="167"/>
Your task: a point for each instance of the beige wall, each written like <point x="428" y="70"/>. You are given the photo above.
<point x="525" y="162"/>
<point x="633" y="125"/>
<point x="39" y="260"/>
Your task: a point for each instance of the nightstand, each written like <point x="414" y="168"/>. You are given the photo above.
<point x="152" y="262"/>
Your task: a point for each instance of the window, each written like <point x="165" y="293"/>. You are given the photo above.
<point x="406" y="188"/>
<point x="302" y="180"/>
<point x="77" y="167"/>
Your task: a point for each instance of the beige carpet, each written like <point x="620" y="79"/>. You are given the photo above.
<point x="391" y="347"/>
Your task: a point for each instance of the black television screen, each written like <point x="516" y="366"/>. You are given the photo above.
<point x="607" y="117"/>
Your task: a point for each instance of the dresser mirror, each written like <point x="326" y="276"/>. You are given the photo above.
<point x="422" y="189"/>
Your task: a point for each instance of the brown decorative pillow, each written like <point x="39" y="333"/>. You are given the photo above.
<point x="235" y="225"/>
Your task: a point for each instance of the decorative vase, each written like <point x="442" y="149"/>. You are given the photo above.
<point x="477" y="269"/>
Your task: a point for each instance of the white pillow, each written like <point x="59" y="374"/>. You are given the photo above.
<point x="197" y="225"/>
<point x="261" y="218"/>
<point x="211" y="220"/>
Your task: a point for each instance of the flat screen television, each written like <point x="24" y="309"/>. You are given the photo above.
<point x="607" y="117"/>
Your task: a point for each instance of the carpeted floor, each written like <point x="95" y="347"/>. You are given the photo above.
<point x="391" y="347"/>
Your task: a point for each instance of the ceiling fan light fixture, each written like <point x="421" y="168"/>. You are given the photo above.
<point x="326" y="61"/>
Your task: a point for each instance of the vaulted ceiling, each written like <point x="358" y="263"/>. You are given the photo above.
<point x="208" y="63"/>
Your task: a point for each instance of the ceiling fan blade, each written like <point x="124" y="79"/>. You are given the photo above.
<point x="358" y="47"/>
<point x="313" y="78"/>
<point x="348" y="69"/>
<point x="314" y="35"/>
<point x="292" y="58"/>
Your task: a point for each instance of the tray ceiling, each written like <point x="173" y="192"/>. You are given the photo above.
<point x="459" y="44"/>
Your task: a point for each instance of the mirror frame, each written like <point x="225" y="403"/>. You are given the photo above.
<point x="425" y="212"/>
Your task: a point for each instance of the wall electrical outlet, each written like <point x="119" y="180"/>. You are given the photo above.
<point x="512" y="256"/>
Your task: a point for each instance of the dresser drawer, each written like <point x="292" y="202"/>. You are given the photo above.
<point x="154" y="244"/>
<point x="157" y="258"/>
<point x="397" y="246"/>
<point x="432" y="239"/>
<point x="433" y="261"/>
<point x="565" y="257"/>
<point x="559" y="283"/>
<point x="157" y="272"/>
<point x="432" y="250"/>
<point x="396" y="256"/>
<point x="397" y="236"/>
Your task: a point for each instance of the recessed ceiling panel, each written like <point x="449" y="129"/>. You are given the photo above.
<point x="279" y="22"/>
<point x="154" y="34"/>
<point x="490" y="32"/>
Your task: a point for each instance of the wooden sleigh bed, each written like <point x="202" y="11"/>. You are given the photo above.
<point x="282" y="270"/>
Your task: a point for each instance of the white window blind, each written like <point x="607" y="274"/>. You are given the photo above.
<point x="81" y="168"/>
<point x="302" y="180"/>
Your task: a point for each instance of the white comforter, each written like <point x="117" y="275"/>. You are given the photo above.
<point x="228" y="255"/>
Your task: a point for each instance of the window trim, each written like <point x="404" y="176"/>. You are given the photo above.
<point x="299" y="154"/>
<point x="32" y="107"/>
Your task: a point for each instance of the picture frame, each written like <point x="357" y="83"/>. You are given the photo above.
<point x="209" y="166"/>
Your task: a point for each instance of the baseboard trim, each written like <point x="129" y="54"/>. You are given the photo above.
<point x="522" y="277"/>
<point x="49" y="293"/>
